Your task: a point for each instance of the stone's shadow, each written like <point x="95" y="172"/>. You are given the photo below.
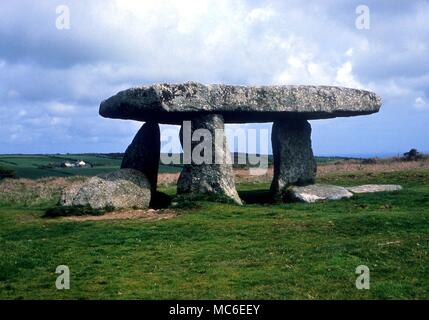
<point x="261" y="196"/>
<point x="160" y="200"/>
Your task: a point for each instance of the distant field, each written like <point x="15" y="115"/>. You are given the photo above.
<point x="36" y="166"/>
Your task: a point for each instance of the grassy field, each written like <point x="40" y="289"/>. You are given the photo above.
<point x="223" y="251"/>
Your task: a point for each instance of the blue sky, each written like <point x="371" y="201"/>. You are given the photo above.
<point x="52" y="81"/>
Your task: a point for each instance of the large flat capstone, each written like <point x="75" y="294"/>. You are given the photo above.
<point x="173" y="103"/>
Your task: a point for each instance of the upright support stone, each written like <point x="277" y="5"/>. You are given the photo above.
<point x="294" y="163"/>
<point x="143" y="153"/>
<point x="209" y="169"/>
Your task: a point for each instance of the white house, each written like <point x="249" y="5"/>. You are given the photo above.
<point x="81" y="163"/>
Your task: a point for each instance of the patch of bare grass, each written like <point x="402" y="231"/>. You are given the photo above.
<point x="33" y="192"/>
<point x="380" y="165"/>
<point x="149" y="215"/>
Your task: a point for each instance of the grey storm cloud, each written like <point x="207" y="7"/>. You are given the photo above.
<point x="52" y="81"/>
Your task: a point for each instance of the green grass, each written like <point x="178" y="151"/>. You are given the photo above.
<point x="223" y="251"/>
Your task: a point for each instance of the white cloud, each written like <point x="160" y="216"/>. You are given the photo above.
<point x="61" y="108"/>
<point x="421" y="104"/>
<point x="345" y="76"/>
<point x="260" y="14"/>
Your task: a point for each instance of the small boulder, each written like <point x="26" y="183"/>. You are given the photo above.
<point x="317" y="192"/>
<point x="122" y="189"/>
<point x="369" y="188"/>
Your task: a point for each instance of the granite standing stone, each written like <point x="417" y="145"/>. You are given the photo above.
<point x="215" y="177"/>
<point x="143" y="153"/>
<point x="294" y="162"/>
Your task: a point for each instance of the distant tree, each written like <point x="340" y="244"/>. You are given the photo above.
<point x="412" y="155"/>
<point x="369" y="161"/>
<point x="7" y="173"/>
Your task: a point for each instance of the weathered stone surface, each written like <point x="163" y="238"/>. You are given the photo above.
<point x="216" y="177"/>
<point x="317" y="192"/>
<point x="122" y="189"/>
<point x="369" y="188"/>
<point x="143" y="153"/>
<point x="173" y="103"/>
<point x="294" y="162"/>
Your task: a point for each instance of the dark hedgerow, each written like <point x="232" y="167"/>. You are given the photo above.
<point x="7" y="173"/>
<point x="65" y="211"/>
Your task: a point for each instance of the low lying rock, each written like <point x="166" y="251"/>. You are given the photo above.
<point x="368" y="188"/>
<point x="317" y="192"/>
<point x="122" y="189"/>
